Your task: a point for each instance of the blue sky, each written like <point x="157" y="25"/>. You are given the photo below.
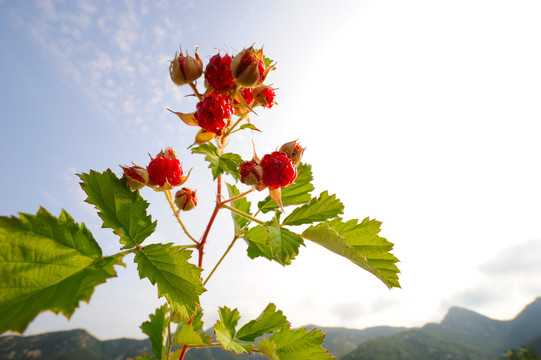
<point x="424" y="115"/>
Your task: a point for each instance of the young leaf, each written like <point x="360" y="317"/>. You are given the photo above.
<point x="157" y="331"/>
<point x="267" y="348"/>
<point x="283" y="243"/>
<point x="241" y="204"/>
<point x="360" y="244"/>
<point x="318" y="209"/>
<point x="47" y="263"/>
<point x="219" y="164"/>
<point x="294" y="194"/>
<point x="177" y="279"/>
<point x="186" y="335"/>
<point x="225" y="331"/>
<point x="269" y="321"/>
<point x="299" y="344"/>
<point x="120" y="208"/>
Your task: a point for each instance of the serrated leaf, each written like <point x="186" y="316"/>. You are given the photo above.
<point x="225" y="331"/>
<point x="47" y="263"/>
<point x="177" y="279"/>
<point x="120" y="208"/>
<point x="267" y="348"/>
<point x="256" y="238"/>
<point x="299" y="344"/>
<point x="283" y="243"/>
<point x="361" y="244"/>
<point x="269" y="321"/>
<point x="219" y="164"/>
<point x="318" y="209"/>
<point x="295" y="194"/>
<point x="241" y="204"/>
<point x="186" y="335"/>
<point x="157" y="331"/>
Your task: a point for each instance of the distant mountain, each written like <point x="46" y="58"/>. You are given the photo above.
<point x="462" y="334"/>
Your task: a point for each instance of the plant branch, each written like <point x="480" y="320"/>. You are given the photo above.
<point x="243" y="214"/>
<point x="238" y="196"/>
<point x="169" y="197"/>
<point x="195" y="91"/>
<point x="235" y="238"/>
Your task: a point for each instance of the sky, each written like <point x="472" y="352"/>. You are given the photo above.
<point x="422" y="114"/>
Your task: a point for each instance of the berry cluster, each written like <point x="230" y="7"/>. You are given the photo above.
<point x="234" y="86"/>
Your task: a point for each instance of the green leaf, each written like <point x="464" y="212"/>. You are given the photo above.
<point x="361" y="244"/>
<point x="267" y="348"/>
<point x="318" y="209"/>
<point x="294" y="194"/>
<point x="120" y="208"/>
<point x="177" y="279"/>
<point x="225" y="331"/>
<point x="186" y="335"/>
<point x="269" y="321"/>
<point x="145" y="357"/>
<point x="219" y="164"/>
<point x="256" y="238"/>
<point x="299" y="344"/>
<point x="47" y="263"/>
<point x="157" y="331"/>
<point x="241" y="204"/>
<point x="283" y="243"/>
<point x="248" y="126"/>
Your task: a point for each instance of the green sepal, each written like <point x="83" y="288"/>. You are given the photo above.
<point x="248" y="126"/>
<point x="299" y="344"/>
<point x="47" y="263"/>
<point x="121" y="209"/>
<point x="269" y="321"/>
<point x="225" y="330"/>
<point x="361" y="244"/>
<point x="241" y="204"/>
<point x="295" y="194"/>
<point x="157" y="330"/>
<point x="227" y="163"/>
<point x="319" y="209"/>
<point x="177" y="279"/>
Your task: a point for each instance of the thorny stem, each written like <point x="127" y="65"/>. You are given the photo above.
<point x="243" y="214"/>
<point x="238" y="196"/>
<point x="169" y="197"/>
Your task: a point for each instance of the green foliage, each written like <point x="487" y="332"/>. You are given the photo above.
<point x="225" y="331"/>
<point x="120" y="208"/>
<point x="241" y="204"/>
<point x="299" y="344"/>
<point x="360" y="244"/>
<point x="318" y="209"/>
<point x="177" y="279"/>
<point x="269" y="321"/>
<point x="295" y="194"/>
<point x="47" y="263"/>
<point x="219" y="164"/>
<point x="157" y="331"/>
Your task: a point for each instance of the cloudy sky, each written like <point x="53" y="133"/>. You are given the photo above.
<point x="422" y="114"/>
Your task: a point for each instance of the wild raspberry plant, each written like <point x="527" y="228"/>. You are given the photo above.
<point x="53" y="263"/>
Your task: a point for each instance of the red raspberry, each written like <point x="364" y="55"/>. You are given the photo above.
<point x="278" y="170"/>
<point x="218" y="72"/>
<point x="269" y="94"/>
<point x="165" y="173"/>
<point x="264" y="96"/>
<point x="248" y="95"/>
<point x="213" y="113"/>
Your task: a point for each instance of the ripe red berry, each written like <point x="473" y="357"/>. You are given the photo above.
<point x="214" y="113"/>
<point x="248" y="95"/>
<point x="165" y="173"/>
<point x="218" y="72"/>
<point x="278" y="170"/>
<point x="264" y="96"/>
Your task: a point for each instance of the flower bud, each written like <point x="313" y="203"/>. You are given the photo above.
<point x="263" y="96"/>
<point x="185" y="199"/>
<point x="248" y="68"/>
<point x="137" y="176"/>
<point x="293" y="150"/>
<point x="185" y="69"/>
<point x="251" y="173"/>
